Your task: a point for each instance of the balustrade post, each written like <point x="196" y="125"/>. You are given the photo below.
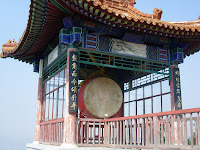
<point x="156" y="132"/>
<point x="107" y="133"/>
<point x="176" y="128"/>
<point x="198" y="130"/>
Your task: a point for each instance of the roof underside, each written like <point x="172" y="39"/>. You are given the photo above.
<point x="45" y="21"/>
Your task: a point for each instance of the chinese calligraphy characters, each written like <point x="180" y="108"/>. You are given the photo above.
<point x="177" y="89"/>
<point x="73" y="82"/>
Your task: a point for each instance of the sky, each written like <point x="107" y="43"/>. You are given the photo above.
<point x="18" y="82"/>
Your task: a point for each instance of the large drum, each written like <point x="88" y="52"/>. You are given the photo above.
<point x="100" y="96"/>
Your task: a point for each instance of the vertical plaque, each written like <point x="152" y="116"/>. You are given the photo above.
<point x="177" y="89"/>
<point x="73" y="82"/>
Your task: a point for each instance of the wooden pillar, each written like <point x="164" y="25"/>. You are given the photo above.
<point x="176" y="100"/>
<point x="172" y="84"/>
<point x="39" y="102"/>
<point x="70" y="119"/>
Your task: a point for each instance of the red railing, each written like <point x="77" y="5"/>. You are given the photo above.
<point x="174" y="129"/>
<point x="91" y="131"/>
<point x="51" y="132"/>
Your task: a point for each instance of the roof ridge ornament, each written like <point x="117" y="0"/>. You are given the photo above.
<point x="14" y="41"/>
<point x="9" y="41"/>
<point x="157" y="13"/>
<point x="8" y="48"/>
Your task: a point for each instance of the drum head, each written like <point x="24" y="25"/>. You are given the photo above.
<point x="102" y="96"/>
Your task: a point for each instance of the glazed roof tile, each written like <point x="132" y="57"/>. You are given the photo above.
<point x="125" y="9"/>
<point x="45" y="21"/>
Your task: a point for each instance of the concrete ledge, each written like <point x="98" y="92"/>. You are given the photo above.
<point x="67" y="146"/>
<point x="36" y="146"/>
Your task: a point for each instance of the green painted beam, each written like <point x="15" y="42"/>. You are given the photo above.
<point x="86" y="6"/>
<point x="58" y="5"/>
<point x="80" y="3"/>
<point x="107" y="17"/>
<point x="91" y="9"/>
<point x="122" y="62"/>
<point x="75" y="1"/>
<point x="38" y="11"/>
<point x="96" y="12"/>
<point x="55" y="67"/>
<point x="43" y="4"/>
<point x="36" y="20"/>
<point x="38" y="7"/>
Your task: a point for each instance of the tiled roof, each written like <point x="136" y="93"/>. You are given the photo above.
<point x="126" y="14"/>
<point x="45" y="21"/>
<point x="9" y="47"/>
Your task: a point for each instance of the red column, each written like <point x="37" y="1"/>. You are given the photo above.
<point x="39" y="102"/>
<point x="172" y="88"/>
<point x="70" y="120"/>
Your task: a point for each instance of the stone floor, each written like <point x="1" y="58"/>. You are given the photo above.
<point x="37" y="146"/>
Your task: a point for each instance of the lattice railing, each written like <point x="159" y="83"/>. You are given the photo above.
<point x="174" y="129"/>
<point x="91" y="131"/>
<point x="51" y="132"/>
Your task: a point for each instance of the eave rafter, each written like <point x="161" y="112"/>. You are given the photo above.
<point x="45" y="21"/>
<point x="32" y="31"/>
<point x="128" y="17"/>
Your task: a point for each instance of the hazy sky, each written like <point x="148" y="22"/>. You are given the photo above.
<point x="18" y="83"/>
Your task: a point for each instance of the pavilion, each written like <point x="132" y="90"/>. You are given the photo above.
<point x="71" y="43"/>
